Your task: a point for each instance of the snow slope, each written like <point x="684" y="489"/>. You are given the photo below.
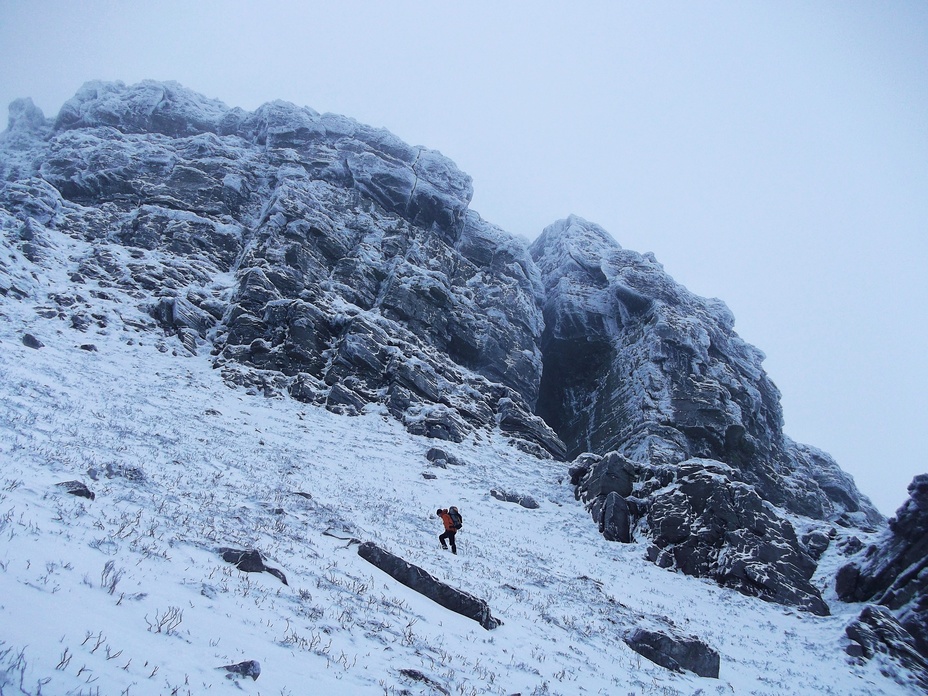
<point x="126" y="594"/>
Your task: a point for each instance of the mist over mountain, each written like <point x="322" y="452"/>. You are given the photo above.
<point x="329" y="273"/>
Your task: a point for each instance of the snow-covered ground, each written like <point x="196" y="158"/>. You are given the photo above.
<point x="126" y="593"/>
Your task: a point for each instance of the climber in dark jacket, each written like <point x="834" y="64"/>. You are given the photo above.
<point x="450" y="530"/>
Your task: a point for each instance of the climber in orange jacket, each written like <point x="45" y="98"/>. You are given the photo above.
<point x="450" y="530"/>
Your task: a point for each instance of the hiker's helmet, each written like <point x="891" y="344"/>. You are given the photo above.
<point x="438" y="512"/>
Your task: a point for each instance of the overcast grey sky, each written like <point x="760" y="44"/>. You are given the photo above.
<point x="774" y="155"/>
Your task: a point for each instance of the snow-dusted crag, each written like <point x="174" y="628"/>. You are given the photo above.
<point x="326" y="261"/>
<point x="359" y="274"/>
<point x="692" y="422"/>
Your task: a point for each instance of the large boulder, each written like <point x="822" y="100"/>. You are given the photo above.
<point x="675" y="652"/>
<point x="422" y="582"/>
<point x="250" y="561"/>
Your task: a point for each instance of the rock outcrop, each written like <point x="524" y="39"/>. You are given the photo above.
<point x="360" y="275"/>
<point x="894" y="572"/>
<point x="676" y="427"/>
<point x="877" y="632"/>
<point x="702" y="521"/>
<point x="636" y="364"/>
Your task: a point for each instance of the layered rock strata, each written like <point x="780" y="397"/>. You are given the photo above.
<point x="311" y="254"/>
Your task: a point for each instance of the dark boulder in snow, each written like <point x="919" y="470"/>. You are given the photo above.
<point x="525" y="501"/>
<point x="675" y="652"/>
<point x="249" y="668"/>
<point x="250" y="561"/>
<point x="422" y="582"/>
<point x="894" y="572"/>
<point x="77" y="488"/>
<point x="442" y="459"/>
<point x="876" y="631"/>
<point x="31" y="341"/>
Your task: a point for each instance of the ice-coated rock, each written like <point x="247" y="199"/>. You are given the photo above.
<point x="674" y="651"/>
<point x="421" y="581"/>
<point x="703" y="521"/>
<point x="635" y="363"/>
<point x="359" y="273"/>
<point x="894" y="572"/>
<point x="877" y="631"/>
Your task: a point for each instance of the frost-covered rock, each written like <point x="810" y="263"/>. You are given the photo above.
<point x="876" y="631"/>
<point x="703" y="521"/>
<point x="248" y="668"/>
<point x="250" y="561"/>
<point x="894" y="572"/>
<point x="635" y="363"/>
<point x="77" y="488"/>
<point x="675" y="652"/>
<point x="359" y="273"/>
<point x="424" y="583"/>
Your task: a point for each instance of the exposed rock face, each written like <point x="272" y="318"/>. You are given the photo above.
<point x="877" y="631"/>
<point x="688" y="421"/>
<point x="665" y="376"/>
<point x="894" y="572"/>
<point x="359" y="274"/>
<point x="421" y="581"/>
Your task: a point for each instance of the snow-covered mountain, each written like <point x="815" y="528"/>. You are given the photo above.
<point x="286" y="333"/>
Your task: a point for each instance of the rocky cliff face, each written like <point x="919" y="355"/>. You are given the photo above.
<point x="358" y="274"/>
<point x="323" y="260"/>
<point x="665" y="377"/>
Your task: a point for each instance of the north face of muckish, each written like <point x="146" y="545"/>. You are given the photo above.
<point x="315" y="258"/>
